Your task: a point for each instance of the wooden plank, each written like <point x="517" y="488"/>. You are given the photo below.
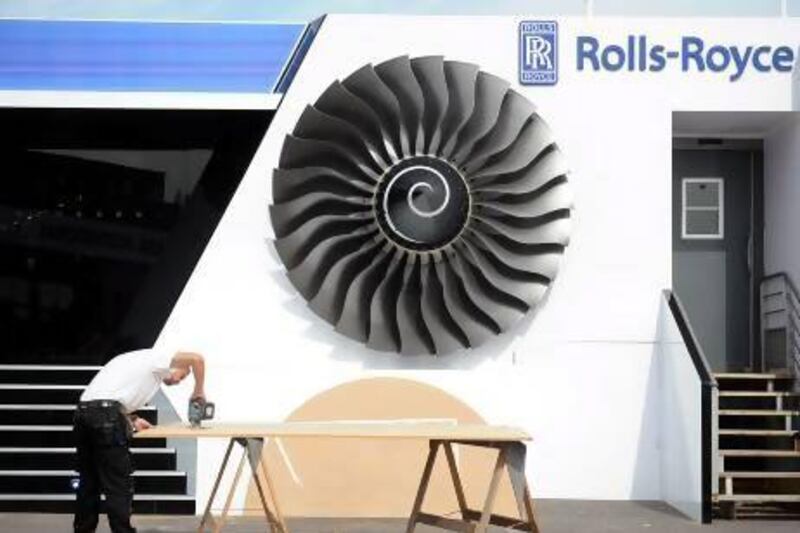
<point x="451" y="463"/>
<point x="274" y="493"/>
<point x="502" y="521"/>
<point x="759" y="453"/>
<point x="368" y="430"/>
<point x="207" y="516"/>
<point x="226" y="508"/>
<point x="755" y="393"/>
<point x="758" y="432"/>
<point x="756" y="412"/>
<point x="766" y="511"/>
<point x="254" y="448"/>
<point x="746" y="376"/>
<point x="442" y="522"/>
<point x="416" y="510"/>
<point x="785" y="498"/>
<point x="515" y="455"/>
<point x="488" y="505"/>
<point x="761" y="475"/>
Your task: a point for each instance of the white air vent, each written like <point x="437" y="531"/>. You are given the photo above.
<point x="703" y="215"/>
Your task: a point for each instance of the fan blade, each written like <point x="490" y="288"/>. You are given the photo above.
<point x="367" y="85"/>
<point x="414" y="336"/>
<point x="339" y="102"/>
<point x="471" y="321"/>
<point x="314" y="124"/>
<point x="354" y="320"/>
<point x="298" y="152"/>
<point x="511" y="282"/>
<point x="294" y="247"/>
<point x="445" y="333"/>
<point x="307" y="277"/>
<point x="430" y="75"/>
<point x="554" y="198"/>
<point x="399" y="77"/>
<point x="515" y="112"/>
<point x="461" y="80"/>
<point x="288" y="216"/>
<point x="543" y="263"/>
<point x="329" y="300"/>
<point x="486" y="297"/>
<point x="549" y="166"/>
<point x="291" y="184"/>
<point x="551" y="232"/>
<point x="489" y="95"/>
<point x="529" y="144"/>
<point x="384" y="334"/>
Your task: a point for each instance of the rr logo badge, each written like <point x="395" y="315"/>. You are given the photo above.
<point x="538" y="52"/>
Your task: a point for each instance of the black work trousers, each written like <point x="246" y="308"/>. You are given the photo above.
<point x="102" y="436"/>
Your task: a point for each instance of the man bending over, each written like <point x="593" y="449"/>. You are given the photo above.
<point x="105" y="422"/>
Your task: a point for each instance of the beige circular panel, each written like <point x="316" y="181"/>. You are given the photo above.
<point x="375" y="478"/>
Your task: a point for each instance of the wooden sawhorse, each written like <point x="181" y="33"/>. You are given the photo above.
<point x="511" y="457"/>
<point x="508" y="441"/>
<point x="252" y="449"/>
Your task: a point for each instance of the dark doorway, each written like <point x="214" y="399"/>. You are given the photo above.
<point x="103" y="216"/>
<point x="717" y="245"/>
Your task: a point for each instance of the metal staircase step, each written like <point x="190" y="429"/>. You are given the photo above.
<point x="29" y="393"/>
<point x="64" y="458"/>
<point x="60" y="481"/>
<point x="40" y="386"/>
<point x="37" y="454"/>
<point x="56" y="407"/>
<point x="56" y="436"/>
<point x="52" y="374"/>
<point x="73" y="473"/>
<point x="65" y="503"/>
<point x="53" y="414"/>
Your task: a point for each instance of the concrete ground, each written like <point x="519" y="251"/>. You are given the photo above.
<point x="554" y="516"/>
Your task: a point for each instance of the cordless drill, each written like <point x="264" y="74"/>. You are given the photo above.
<point x="199" y="410"/>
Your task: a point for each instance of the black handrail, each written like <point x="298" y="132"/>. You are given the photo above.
<point x="690" y="339"/>
<point x="707" y="385"/>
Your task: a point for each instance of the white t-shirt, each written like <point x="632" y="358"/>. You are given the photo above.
<point x="131" y="378"/>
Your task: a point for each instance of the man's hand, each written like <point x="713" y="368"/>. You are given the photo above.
<point x="140" y="424"/>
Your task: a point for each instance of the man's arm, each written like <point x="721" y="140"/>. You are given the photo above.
<point x="194" y="362"/>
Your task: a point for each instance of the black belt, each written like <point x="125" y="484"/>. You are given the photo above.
<point x="100" y="404"/>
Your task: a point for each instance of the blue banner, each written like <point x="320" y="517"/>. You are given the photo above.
<point x="144" y="56"/>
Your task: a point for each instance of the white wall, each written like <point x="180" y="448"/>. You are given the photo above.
<point x="781" y="195"/>
<point x="796" y="85"/>
<point x="583" y="375"/>
<point x="680" y="420"/>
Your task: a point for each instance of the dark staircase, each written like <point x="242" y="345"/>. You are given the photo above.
<point x="759" y="447"/>
<point x="37" y="454"/>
